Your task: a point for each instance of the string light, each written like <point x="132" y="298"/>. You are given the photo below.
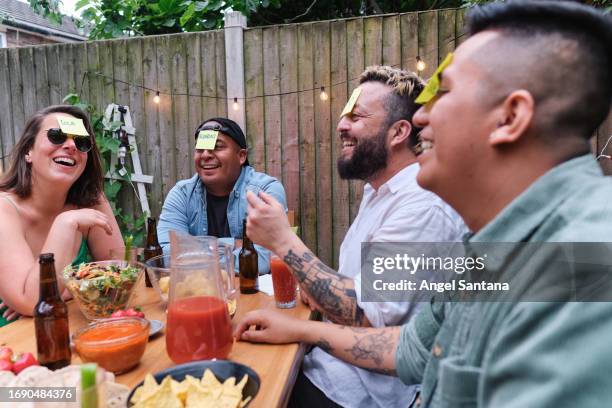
<point x="323" y="94"/>
<point x="420" y="65"/>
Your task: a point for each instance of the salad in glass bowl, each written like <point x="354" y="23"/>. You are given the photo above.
<point x="102" y="288"/>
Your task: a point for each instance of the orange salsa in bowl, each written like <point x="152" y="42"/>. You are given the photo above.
<point x="115" y="344"/>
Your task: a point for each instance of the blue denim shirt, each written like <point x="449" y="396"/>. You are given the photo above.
<point x="185" y="209"/>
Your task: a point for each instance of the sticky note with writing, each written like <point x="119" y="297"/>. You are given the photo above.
<point x="72" y="126"/>
<point x="433" y="85"/>
<point x="207" y="139"/>
<point x="348" y="108"/>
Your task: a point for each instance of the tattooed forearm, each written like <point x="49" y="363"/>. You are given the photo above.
<point x="372" y="346"/>
<point x="335" y="294"/>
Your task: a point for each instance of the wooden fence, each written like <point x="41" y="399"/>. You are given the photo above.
<point x="291" y="131"/>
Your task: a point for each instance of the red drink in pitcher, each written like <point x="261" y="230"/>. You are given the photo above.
<point x="199" y="328"/>
<point x="285" y="285"/>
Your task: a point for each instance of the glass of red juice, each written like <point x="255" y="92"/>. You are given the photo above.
<point x="284" y="283"/>
<point x="198" y="324"/>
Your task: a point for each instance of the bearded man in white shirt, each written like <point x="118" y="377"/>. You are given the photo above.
<point x="377" y="139"/>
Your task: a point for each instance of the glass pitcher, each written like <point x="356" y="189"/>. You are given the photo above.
<point x="199" y="326"/>
<point x="226" y="262"/>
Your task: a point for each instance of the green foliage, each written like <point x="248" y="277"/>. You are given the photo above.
<point x="120" y="18"/>
<point x="108" y="145"/>
<point x="48" y="9"/>
<point x="117" y="18"/>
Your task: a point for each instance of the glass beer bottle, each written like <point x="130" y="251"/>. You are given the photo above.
<point x="152" y="247"/>
<point x="51" y="319"/>
<point x="247" y="262"/>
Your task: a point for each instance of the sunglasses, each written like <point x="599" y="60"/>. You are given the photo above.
<point x="57" y="137"/>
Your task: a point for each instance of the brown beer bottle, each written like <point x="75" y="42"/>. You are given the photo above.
<point x="247" y="262"/>
<point x="51" y="319"/>
<point x="152" y="247"/>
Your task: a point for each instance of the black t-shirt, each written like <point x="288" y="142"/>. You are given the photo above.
<point x="216" y="212"/>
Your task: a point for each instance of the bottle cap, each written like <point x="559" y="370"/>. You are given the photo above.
<point x="46" y="258"/>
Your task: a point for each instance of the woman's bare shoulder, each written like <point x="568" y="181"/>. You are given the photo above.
<point x="11" y="212"/>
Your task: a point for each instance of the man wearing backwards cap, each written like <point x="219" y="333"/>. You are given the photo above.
<point x="213" y="201"/>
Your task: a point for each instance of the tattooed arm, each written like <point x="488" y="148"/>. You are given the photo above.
<point x="333" y="294"/>
<point x="370" y="348"/>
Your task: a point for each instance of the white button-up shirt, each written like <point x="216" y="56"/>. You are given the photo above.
<point x="399" y="211"/>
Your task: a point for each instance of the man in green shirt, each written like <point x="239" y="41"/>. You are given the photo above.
<point x="505" y="142"/>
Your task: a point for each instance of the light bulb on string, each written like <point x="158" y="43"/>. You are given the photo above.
<point x="156" y="97"/>
<point x="420" y="65"/>
<point x="323" y="95"/>
<point x="235" y="106"/>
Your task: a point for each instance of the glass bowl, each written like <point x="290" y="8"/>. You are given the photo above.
<point x="158" y="270"/>
<point x="102" y="288"/>
<point x="115" y="344"/>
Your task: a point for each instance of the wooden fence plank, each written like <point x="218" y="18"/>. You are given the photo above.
<point x="121" y="96"/>
<point x="152" y="163"/>
<point x="41" y="78"/>
<point x="180" y="105"/>
<point x="289" y="117"/>
<point x="323" y="137"/>
<point x="6" y="121"/>
<point x="94" y="80"/>
<point x="272" y="114"/>
<point x="194" y="87"/>
<point x="373" y="35"/>
<point x="428" y="41"/>
<point x="81" y="76"/>
<point x="134" y="66"/>
<point x="105" y="56"/>
<point x="460" y="29"/>
<point x="26" y="60"/>
<point x="356" y="64"/>
<point x="17" y="110"/>
<point x="68" y="83"/>
<point x="308" y="201"/>
<point x="446" y="33"/>
<point x="208" y="46"/>
<point x="391" y="35"/>
<point x="338" y="98"/>
<point x="409" y="24"/>
<point x="166" y="128"/>
<point x="221" y="80"/>
<point x="56" y="73"/>
<point x="253" y="78"/>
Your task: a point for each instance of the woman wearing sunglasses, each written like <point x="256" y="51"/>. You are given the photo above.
<point x="51" y="200"/>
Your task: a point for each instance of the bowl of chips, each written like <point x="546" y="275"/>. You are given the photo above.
<point x="207" y="383"/>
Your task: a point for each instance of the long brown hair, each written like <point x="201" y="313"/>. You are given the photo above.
<point x="18" y="179"/>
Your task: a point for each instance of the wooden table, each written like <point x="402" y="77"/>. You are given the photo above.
<point x="276" y="365"/>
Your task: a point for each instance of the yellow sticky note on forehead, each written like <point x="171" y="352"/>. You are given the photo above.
<point x="207" y="139"/>
<point x="348" y="108"/>
<point x="72" y="126"/>
<point x="431" y="89"/>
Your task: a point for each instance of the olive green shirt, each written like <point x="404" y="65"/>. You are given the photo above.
<point x="524" y="354"/>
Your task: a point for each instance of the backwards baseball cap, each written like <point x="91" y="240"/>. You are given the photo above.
<point x="228" y="127"/>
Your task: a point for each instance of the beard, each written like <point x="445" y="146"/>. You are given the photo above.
<point x="369" y="157"/>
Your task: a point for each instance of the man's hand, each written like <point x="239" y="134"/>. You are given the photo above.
<point x="267" y="224"/>
<point x="272" y="327"/>
<point x="370" y="348"/>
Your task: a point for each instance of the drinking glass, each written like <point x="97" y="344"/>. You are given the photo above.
<point x="283" y="282"/>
